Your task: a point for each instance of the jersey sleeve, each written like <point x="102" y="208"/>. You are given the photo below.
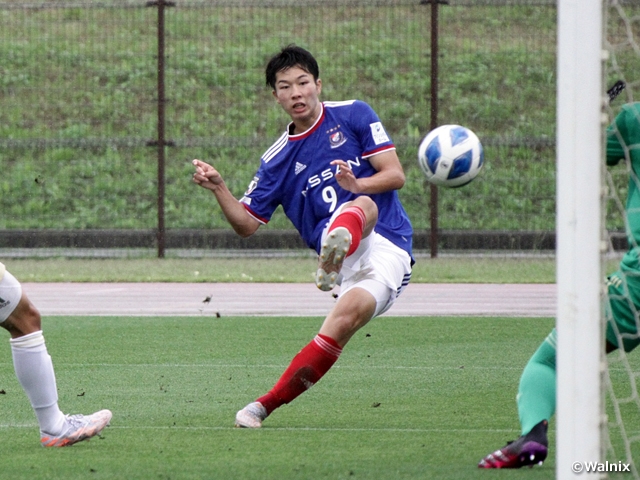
<point x="623" y="134"/>
<point x="262" y="196"/>
<point x="373" y="136"/>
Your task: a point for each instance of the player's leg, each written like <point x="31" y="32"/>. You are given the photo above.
<point x="536" y="405"/>
<point x="350" y="223"/>
<point x="31" y="360"/>
<point x="366" y="294"/>
<point x="353" y="310"/>
<point x="537" y="391"/>
<point x="34" y="369"/>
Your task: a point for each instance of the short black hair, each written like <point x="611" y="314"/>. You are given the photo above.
<point x="291" y="56"/>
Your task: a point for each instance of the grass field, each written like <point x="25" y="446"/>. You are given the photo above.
<point x="458" y="269"/>
<point x="463" y="269"/>
<point x="409" y="398"/>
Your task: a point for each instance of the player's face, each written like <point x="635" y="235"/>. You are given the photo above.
<point x="297" y="93"/>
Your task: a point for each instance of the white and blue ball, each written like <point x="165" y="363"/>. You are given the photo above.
<point x="451" y="156"/>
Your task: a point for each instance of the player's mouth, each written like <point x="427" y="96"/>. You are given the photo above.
<point x="298" y="107"/>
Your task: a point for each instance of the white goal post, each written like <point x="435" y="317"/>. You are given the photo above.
<point x="579" y="420"/>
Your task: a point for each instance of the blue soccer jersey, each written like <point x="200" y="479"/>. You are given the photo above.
<point x="295" y="172"/>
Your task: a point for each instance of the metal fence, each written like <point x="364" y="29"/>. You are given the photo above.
<point x="104" y="105"/>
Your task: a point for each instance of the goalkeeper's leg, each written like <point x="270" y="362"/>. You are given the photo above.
<point x="536" y="405"/>
<point x="537" y="390"/>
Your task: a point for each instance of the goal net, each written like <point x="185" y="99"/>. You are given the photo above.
<point x="621" y="432"/>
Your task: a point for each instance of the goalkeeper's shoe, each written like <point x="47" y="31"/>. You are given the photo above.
<point x="251" y="416"/>
<point x="332" y="253"/>
<point x="79" y="427"/>
<point x="528" y="450"/>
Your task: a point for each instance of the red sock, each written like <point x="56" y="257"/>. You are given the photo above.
<point x="353" y="219"/>
<point x="305" y="370"/>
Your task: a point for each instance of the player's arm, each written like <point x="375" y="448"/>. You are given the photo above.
<point x="208" y="177"/>
<point x="615" y="149"/>
<point x="622" y="133"/>
<point x="389" y="175"/>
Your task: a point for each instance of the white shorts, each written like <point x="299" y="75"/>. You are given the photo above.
<point x="377" y="266"/>
<point x="10" y="294"/>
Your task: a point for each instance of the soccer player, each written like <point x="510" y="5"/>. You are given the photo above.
<point x="536" y="397"/>
<point x="34" y="370"/>
<point x="336" y="174"/>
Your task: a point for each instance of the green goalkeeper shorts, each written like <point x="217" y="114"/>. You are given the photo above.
<point x="622" y="308"/>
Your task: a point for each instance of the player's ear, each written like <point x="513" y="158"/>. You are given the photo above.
<point x="319" y="85"/>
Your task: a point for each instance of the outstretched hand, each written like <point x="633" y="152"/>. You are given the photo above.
<point x="206" y="176"/>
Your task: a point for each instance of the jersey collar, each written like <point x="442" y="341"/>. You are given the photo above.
<point x="308" y="132"/>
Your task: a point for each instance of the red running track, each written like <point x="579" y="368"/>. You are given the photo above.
<point x="282" y="299"/>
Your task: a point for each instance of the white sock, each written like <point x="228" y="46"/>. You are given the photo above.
<point x="34" y="370"/>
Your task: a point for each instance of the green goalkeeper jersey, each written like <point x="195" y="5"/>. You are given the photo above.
<point x="623" y="141"/>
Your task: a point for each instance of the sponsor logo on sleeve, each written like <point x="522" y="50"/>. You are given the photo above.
<point x="378" y="133"/>
<point x="252" y="186"/>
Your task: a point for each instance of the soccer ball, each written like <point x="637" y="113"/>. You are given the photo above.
<point x="450" y="156"/>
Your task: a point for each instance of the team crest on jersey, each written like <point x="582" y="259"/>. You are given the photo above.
<point x="336" y="139"/>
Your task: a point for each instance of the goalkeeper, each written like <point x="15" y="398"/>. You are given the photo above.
<point x="537" y="390"/>
<point x="336" y="174"/>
